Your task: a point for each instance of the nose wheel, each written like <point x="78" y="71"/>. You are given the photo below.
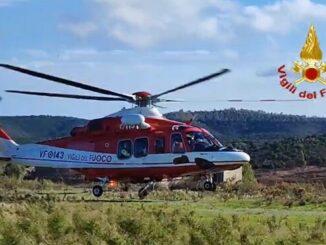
<point x="209" y="186"/>
<point x="97" y="190"/>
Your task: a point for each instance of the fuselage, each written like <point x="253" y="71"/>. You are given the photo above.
<point x="133" y="148"/>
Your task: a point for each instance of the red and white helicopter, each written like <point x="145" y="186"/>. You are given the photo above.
<point x="134" y="145"/>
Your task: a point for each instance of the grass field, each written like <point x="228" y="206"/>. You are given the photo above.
<point x="34" y="212"/>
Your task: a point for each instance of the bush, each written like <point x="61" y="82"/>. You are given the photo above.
<point x="249" y="183"/>
<point x="14" y="170"/>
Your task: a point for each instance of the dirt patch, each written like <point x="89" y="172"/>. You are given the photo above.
<point x="309" y="174"/>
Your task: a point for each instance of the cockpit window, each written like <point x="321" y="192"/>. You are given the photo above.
<point x="214" y="140"/>
<point x="199" y="141"/>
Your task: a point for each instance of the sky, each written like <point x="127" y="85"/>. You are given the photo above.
<point x="135" y="45"/>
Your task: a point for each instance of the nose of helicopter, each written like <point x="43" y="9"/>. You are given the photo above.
<point x="226" y="155"/>
<point x="236" y="155"/>
<point x="239" y="156"/>
<point x="244" y="157"/>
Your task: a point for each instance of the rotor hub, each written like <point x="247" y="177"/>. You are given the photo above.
<point x="143" y="98"/>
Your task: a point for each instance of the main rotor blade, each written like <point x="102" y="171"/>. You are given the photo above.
<point x="70" y="96"/>
<point x="166" y="100"/>
<point x="199" y="80"/>
<point x="239" y="100"/>
<point x="66" y="81"/>
<point x="264" y="100"/>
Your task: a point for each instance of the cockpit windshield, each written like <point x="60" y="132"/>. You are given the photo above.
<point x="214" y="140"/>
<point x="199" y="141"/>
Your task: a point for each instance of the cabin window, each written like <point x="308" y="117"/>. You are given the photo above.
<point x="124" y="149"/>
<point x="159" y="145"/>
<point x="141" y="147"/>
<point x="177" y="144"/>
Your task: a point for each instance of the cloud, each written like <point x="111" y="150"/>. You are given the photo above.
<point x="41" y="64"/>
<point x="273" y="72"/>
<point x="146" y="23"/>
<point x="92" y="55"/>
<point x="230" y="54"/>
<point x="283" y="16"/>
<point x="36" y="53"/>
<point x="269" y="72"/>
<point x="70" y="54"/>
<point x="81" y="29"/>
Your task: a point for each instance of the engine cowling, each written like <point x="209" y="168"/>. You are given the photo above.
<point x="134" y="120"/>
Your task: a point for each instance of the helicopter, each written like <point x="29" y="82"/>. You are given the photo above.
<point x="133" y="145"/>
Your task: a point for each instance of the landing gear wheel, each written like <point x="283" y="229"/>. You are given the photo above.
<point x="142" y="193"/>
<point x="97" y="191"/>
<point x="208" y="186"/>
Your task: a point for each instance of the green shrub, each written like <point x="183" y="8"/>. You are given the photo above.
<point x="249" y="182"/>
<point x="14" y="170"/>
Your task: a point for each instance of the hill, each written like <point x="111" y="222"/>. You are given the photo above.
<point x="232" y="124"/>
<point x="26" y="129"/>
<point x="286" y="153"/>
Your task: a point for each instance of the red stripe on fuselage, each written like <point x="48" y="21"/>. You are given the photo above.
<point x="155" y="173"/>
